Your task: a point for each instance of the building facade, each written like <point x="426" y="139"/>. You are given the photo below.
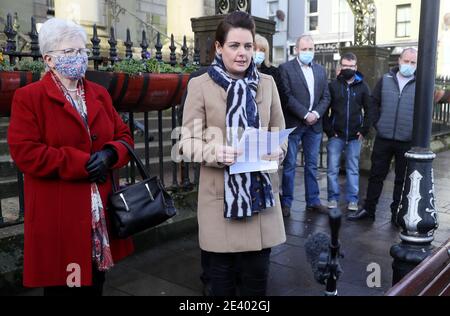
<point x="164" y="16"/>
<point x="331" y="23"/>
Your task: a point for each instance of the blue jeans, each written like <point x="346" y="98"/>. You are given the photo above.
<point x="311" y="147"/>
<point x="336" y="147"/>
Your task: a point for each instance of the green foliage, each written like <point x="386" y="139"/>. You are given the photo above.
<point x="4" y="64"/>
<point x="134" y="67"/>
<point x="131" y="67"/>
<point x="35" y="66"/>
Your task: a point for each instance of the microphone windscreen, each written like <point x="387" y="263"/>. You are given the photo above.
<point x="316" y="245"/>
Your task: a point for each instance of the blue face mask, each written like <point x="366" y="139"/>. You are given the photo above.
<point x="306" y="57"/>
<point x="259" y="58"/>
<point x="407" y="70"/>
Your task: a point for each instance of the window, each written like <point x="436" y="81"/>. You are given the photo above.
<point x="312" y="15"/>
<point x="403" y="21"/>
<point x="341" y="16"/>
<point x="50" y="8"/>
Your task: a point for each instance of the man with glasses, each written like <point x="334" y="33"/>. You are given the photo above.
<point x="347" y="124"/>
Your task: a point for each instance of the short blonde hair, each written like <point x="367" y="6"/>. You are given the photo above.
<point x="262" y="42"/>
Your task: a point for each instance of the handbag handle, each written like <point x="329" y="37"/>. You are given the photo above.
<point x="140" y="166"/>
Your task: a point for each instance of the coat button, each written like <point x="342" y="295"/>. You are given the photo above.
<point x="94" y="137"/>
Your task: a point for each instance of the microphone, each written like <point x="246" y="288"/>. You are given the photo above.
<point x="316" y="247"/>
<point x="323" y="253"/>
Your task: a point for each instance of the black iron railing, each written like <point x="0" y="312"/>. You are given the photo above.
<point x="145" y="126"/>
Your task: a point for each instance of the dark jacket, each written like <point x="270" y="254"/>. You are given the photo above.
<point x="351" y="110"/>
<point x="394" y="110"/>
<point x="297" y="94"/>
<point x="275" y="73"/>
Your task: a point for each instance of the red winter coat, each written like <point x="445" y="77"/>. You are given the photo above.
<point x="50" y="145"/>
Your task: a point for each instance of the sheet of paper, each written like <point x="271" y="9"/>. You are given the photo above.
<point x="255" y="144"/>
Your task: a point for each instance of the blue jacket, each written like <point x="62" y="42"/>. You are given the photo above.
<point x="351" y="110"/>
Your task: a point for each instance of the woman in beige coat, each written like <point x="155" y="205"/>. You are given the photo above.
<point x="239" y="216"/>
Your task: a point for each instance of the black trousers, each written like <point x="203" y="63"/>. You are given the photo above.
<point x="98" y="280"/>
<point x="383" y="152"/>
<point x="243" y="274"/>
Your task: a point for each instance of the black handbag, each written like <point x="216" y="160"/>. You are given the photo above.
<point x="140" y="206"/>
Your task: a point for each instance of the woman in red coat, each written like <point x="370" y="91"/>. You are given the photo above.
<point x="63" y="136"/>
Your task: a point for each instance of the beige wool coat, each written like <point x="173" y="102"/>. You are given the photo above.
<point x="204" y="128"/>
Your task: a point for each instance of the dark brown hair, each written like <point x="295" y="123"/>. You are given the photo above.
<point x="237" y="19"/>
<point x="349" y="56"/>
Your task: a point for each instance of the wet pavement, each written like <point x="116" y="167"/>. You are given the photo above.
<point x="173" y="268"/>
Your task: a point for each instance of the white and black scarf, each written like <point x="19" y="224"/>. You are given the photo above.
<point x="249" y="193"/>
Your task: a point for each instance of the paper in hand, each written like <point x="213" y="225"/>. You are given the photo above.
<point x="255" y="144"/>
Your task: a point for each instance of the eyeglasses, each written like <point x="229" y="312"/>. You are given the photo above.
<point x="348" y="66"/>
<point x="74" y="51"/>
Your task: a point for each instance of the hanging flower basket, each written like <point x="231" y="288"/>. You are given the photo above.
<point x="10" y="81"/>
<point x="142" y="93"/>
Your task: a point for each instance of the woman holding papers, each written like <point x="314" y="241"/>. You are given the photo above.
<point x="239" y="215"/>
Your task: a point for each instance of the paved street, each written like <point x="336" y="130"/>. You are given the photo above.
<point x="173" y="268"/>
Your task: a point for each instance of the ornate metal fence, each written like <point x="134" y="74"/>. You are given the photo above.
<point x="146" y="126"/>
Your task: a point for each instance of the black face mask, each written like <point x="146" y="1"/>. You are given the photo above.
<point x="348" y="74"/>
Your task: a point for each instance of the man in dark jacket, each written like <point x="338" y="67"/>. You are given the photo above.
<point x="307" y="99"/>
<point x="394" y="100"/>
<point x="347" y="124"/>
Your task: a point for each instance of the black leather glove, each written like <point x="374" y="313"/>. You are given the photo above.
<point x="99" y="165"/>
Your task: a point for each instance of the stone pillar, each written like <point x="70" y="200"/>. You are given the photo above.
<point x="373" y="62"/>
<point x="205" y="32"/>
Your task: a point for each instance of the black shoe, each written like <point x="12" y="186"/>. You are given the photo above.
<point x="361" y="215"/>
<point x="318" y="208"/>
<point x="286" y="211"/>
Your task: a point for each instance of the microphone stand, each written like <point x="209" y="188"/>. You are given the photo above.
<point x="329" y="262"/>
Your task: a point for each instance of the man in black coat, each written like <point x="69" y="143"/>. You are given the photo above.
<point x="346" y="125"/>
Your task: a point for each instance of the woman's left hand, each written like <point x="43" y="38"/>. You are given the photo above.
<point x="277" y="155"/>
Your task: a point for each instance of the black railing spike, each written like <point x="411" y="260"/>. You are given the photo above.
<point x="10" y="33"/>
<point x="113" y="47"/>
<point x="95" y="48"/>
<point x="185" y="50"/>
<point x="173" y="48"/>
<point x="144" y="46"/>
<point x="197" y="53"/>
<point x="34" y="36"/>
<point x="128" y="44"/>
<point x="158" y="47"/>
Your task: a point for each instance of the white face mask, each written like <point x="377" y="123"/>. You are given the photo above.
<point x="259" y="58"/>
